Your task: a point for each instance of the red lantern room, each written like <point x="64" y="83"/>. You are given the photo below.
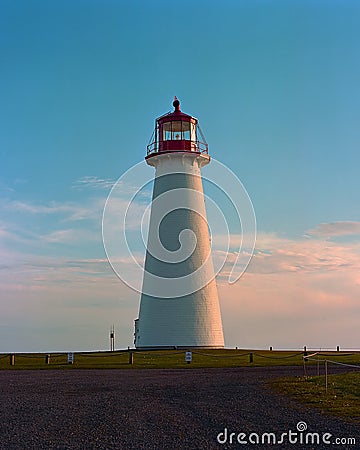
<point x="176" y="132"/>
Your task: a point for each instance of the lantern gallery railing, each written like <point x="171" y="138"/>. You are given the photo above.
<point x="193" y="146"/>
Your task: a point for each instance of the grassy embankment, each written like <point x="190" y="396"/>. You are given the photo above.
<point x="342" y="397"/>
<point x="170" y="359"/>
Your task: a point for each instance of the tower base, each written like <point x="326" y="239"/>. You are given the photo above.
<point x="180" y="347"/>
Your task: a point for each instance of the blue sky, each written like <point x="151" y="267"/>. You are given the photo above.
<point x="275" y="85"/>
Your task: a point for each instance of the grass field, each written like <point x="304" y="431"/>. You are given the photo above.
<point x="342" y="397"/>
<point x="169" y="359"/>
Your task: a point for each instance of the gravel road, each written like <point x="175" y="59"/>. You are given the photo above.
<point x="155" y="409"/>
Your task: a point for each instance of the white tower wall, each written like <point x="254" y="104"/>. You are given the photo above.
<point x="167" y="319"/>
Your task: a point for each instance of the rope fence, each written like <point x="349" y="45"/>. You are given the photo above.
<point x="326" y="363"/>
<point x="173" y="358"/>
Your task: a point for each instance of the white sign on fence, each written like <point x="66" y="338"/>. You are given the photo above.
<point x="70" y="358"/>
<point x="188" y="357"/>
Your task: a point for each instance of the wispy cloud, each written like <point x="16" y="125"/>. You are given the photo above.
<point x="334" y="229"/>
<point x="44" y="271"/>
<point x="94" y="182"/>
<point x="32" y="208"/>
<point x="71" y="235"/>
<point x="124" y="189"/>
<point x="13" y="233"/>
<point x="297" y="292"/>
<point x="5" y="188"/>
<point x="274" y="254"/>
<point x="67" y="211"/>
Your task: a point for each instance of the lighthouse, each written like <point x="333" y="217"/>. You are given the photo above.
<point x="179" y="305"/>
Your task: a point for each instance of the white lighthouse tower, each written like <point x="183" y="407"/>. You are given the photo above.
<point x="179" y="302"/>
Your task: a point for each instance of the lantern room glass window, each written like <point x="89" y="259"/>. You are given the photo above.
<point x="193" y="132"/>
<point x="178" y="131"/>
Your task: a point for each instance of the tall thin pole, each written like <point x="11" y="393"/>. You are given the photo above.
<point x="112" y="338"/>
<point x="326" y="375"/>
